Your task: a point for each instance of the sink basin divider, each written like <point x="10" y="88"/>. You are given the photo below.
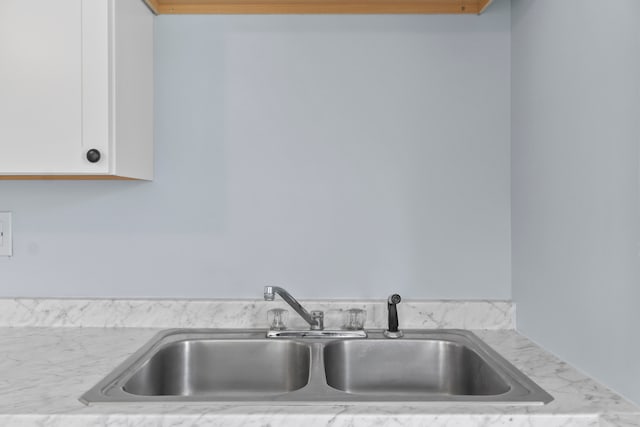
<point x="317" y="386"/>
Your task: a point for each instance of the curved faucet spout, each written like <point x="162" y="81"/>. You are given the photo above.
<point x="315" y="319"/>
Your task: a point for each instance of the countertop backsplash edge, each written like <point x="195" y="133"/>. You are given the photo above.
<point x="246" y="313"/>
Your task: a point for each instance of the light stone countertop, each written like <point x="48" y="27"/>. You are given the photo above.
<point x="43" y="371"/>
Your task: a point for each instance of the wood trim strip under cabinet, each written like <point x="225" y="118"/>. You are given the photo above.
<point x="318" y="6"/>
<point x="484" y="6"/>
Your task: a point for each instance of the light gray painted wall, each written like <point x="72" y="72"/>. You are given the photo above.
<point x="339" y="156"/>
<point x="575" y="192"/>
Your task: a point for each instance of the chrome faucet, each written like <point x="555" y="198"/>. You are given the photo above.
<point x="315" y="319"/>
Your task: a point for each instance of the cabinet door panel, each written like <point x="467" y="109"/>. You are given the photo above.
<point x="41" y="87"/>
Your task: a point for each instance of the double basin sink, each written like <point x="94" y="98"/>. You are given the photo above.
<point x="245" y="367"/>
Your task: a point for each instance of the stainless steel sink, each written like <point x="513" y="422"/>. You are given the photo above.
<point x="195" y="367"/>
<point x="244" y="367"/>
<point x="410" y="367"/>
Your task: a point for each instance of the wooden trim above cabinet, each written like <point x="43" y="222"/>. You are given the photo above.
<point x="318" y="6"/>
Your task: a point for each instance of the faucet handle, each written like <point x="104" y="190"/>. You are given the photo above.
<point x="318" y="316"/>
<point x="277" y="318"/>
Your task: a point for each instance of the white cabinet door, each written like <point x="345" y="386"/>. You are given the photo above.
<point x="41" y="87"/>
<point x="75" y="76"/>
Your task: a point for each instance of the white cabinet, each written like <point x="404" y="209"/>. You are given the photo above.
<point x="76" y="76"/>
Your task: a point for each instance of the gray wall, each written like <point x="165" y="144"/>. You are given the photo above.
<point x="339" y="156"/>
<point x="575" y="192"/>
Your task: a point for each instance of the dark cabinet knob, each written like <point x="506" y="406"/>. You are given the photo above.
<point x="93" y="155"/>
